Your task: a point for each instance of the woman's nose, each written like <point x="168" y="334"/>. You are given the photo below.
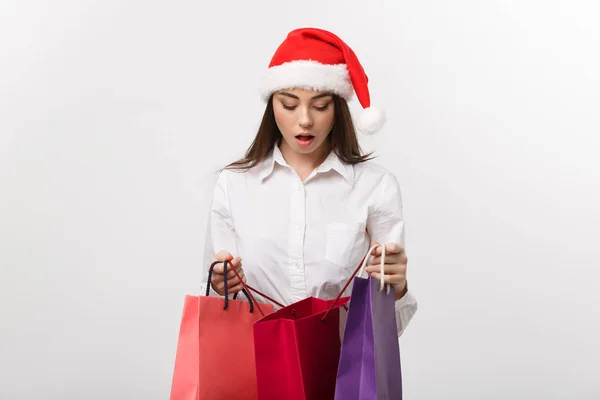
<point x="305" y="119"/>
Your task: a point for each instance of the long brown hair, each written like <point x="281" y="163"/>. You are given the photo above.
<point x="343" y="139"/>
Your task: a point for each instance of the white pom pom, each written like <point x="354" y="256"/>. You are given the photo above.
<point x="370" y="120"/>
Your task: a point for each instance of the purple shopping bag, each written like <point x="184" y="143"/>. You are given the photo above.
<point x="369" y="366"/>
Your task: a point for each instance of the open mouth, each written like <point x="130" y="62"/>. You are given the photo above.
<point x="304" y="140"/>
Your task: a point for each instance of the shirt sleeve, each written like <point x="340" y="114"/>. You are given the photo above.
<point x="385" y="224"/>
<point x="220" y="232"/>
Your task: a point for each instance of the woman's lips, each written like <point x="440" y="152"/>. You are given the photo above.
<point x="304" y="140"/>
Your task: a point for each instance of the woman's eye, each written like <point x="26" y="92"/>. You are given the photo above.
<point x="289" y="107"/>
<point x="322" y="108"/>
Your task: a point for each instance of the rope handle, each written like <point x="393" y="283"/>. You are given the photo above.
<point x="225" y="286"/>
<point x="382" y="267"/>
<point x="249" y="289"/>
<point x="359" y="270"/>
<point x="247" y="297"/>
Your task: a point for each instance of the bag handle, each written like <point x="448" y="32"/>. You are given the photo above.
<point x="225" y="286"/>
<point x="359" y="270"/>
<point x="248" y="291"/>
<point x="381" y="265"/>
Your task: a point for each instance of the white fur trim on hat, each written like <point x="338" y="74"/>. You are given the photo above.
<point x="310" y="75"/>
<point x="370" y="120"/>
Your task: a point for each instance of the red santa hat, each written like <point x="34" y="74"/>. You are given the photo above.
<point x="316" y="59"/>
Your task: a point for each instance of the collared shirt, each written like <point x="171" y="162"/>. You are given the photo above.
<point x="300" y="239"/>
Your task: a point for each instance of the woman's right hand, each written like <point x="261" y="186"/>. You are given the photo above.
<point x="218" y="278"/>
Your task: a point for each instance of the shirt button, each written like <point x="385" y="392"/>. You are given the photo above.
<point x="298" y="228"/>
<point x="298" y="188"/>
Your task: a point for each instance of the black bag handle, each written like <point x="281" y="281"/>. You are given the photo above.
<point x="225" y="286"/>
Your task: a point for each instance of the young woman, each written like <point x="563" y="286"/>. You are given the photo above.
<point x="297" y="214"/>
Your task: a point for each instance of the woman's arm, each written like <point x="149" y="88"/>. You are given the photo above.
<point x="220" y="232"/>
<point x="385" y="225"/>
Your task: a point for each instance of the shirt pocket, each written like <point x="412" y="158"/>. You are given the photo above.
<point x="344" y="243"/>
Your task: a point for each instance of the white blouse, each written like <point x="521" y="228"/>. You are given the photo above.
<point x="299" y="239"/>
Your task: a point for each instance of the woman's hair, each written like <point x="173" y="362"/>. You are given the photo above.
<point x="342" y="138"/>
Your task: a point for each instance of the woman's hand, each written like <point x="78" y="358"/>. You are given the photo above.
<point x="394" y="269"/>
<point x="218" y="277"/>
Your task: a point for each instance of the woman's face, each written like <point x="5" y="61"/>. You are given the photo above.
<point x="304" y="118"/>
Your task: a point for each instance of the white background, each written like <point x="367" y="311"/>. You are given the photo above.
<point x="114" y="116"/>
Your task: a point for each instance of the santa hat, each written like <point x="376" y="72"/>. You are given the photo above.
<point x="316" y="59"/>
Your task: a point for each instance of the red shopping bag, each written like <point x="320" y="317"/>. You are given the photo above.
<point x="216" y="337"/>
<point x="298" y="349"/>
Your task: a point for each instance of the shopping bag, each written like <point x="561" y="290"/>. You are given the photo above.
<point x="297" y="350"/>
<point x="369" y="366"/>
<point x="215" y="349"/>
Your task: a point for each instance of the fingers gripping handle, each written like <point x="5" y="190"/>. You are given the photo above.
<point x="225" y="285"/>
<point x="360" y="270"/>
<point x="381" y="269"/>
<point x="365" y="260"/>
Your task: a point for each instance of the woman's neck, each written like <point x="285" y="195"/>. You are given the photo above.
<point x="304" y="164"/>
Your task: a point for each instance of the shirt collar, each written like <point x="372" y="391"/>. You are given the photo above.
<point x="332" y="162"/>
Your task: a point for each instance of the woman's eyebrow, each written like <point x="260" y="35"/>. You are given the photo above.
<point x="286" y="94"/>
<point x="293" y="96"/>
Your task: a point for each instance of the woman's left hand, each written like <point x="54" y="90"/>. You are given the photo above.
<point x="394" y="268"/>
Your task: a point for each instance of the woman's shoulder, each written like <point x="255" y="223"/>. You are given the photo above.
<point x="372" y="170"/>
<point x="232" y="175"/>
<point x="380" y="181"/>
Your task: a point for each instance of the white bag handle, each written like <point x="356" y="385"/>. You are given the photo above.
<point x="382" y="265"/>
